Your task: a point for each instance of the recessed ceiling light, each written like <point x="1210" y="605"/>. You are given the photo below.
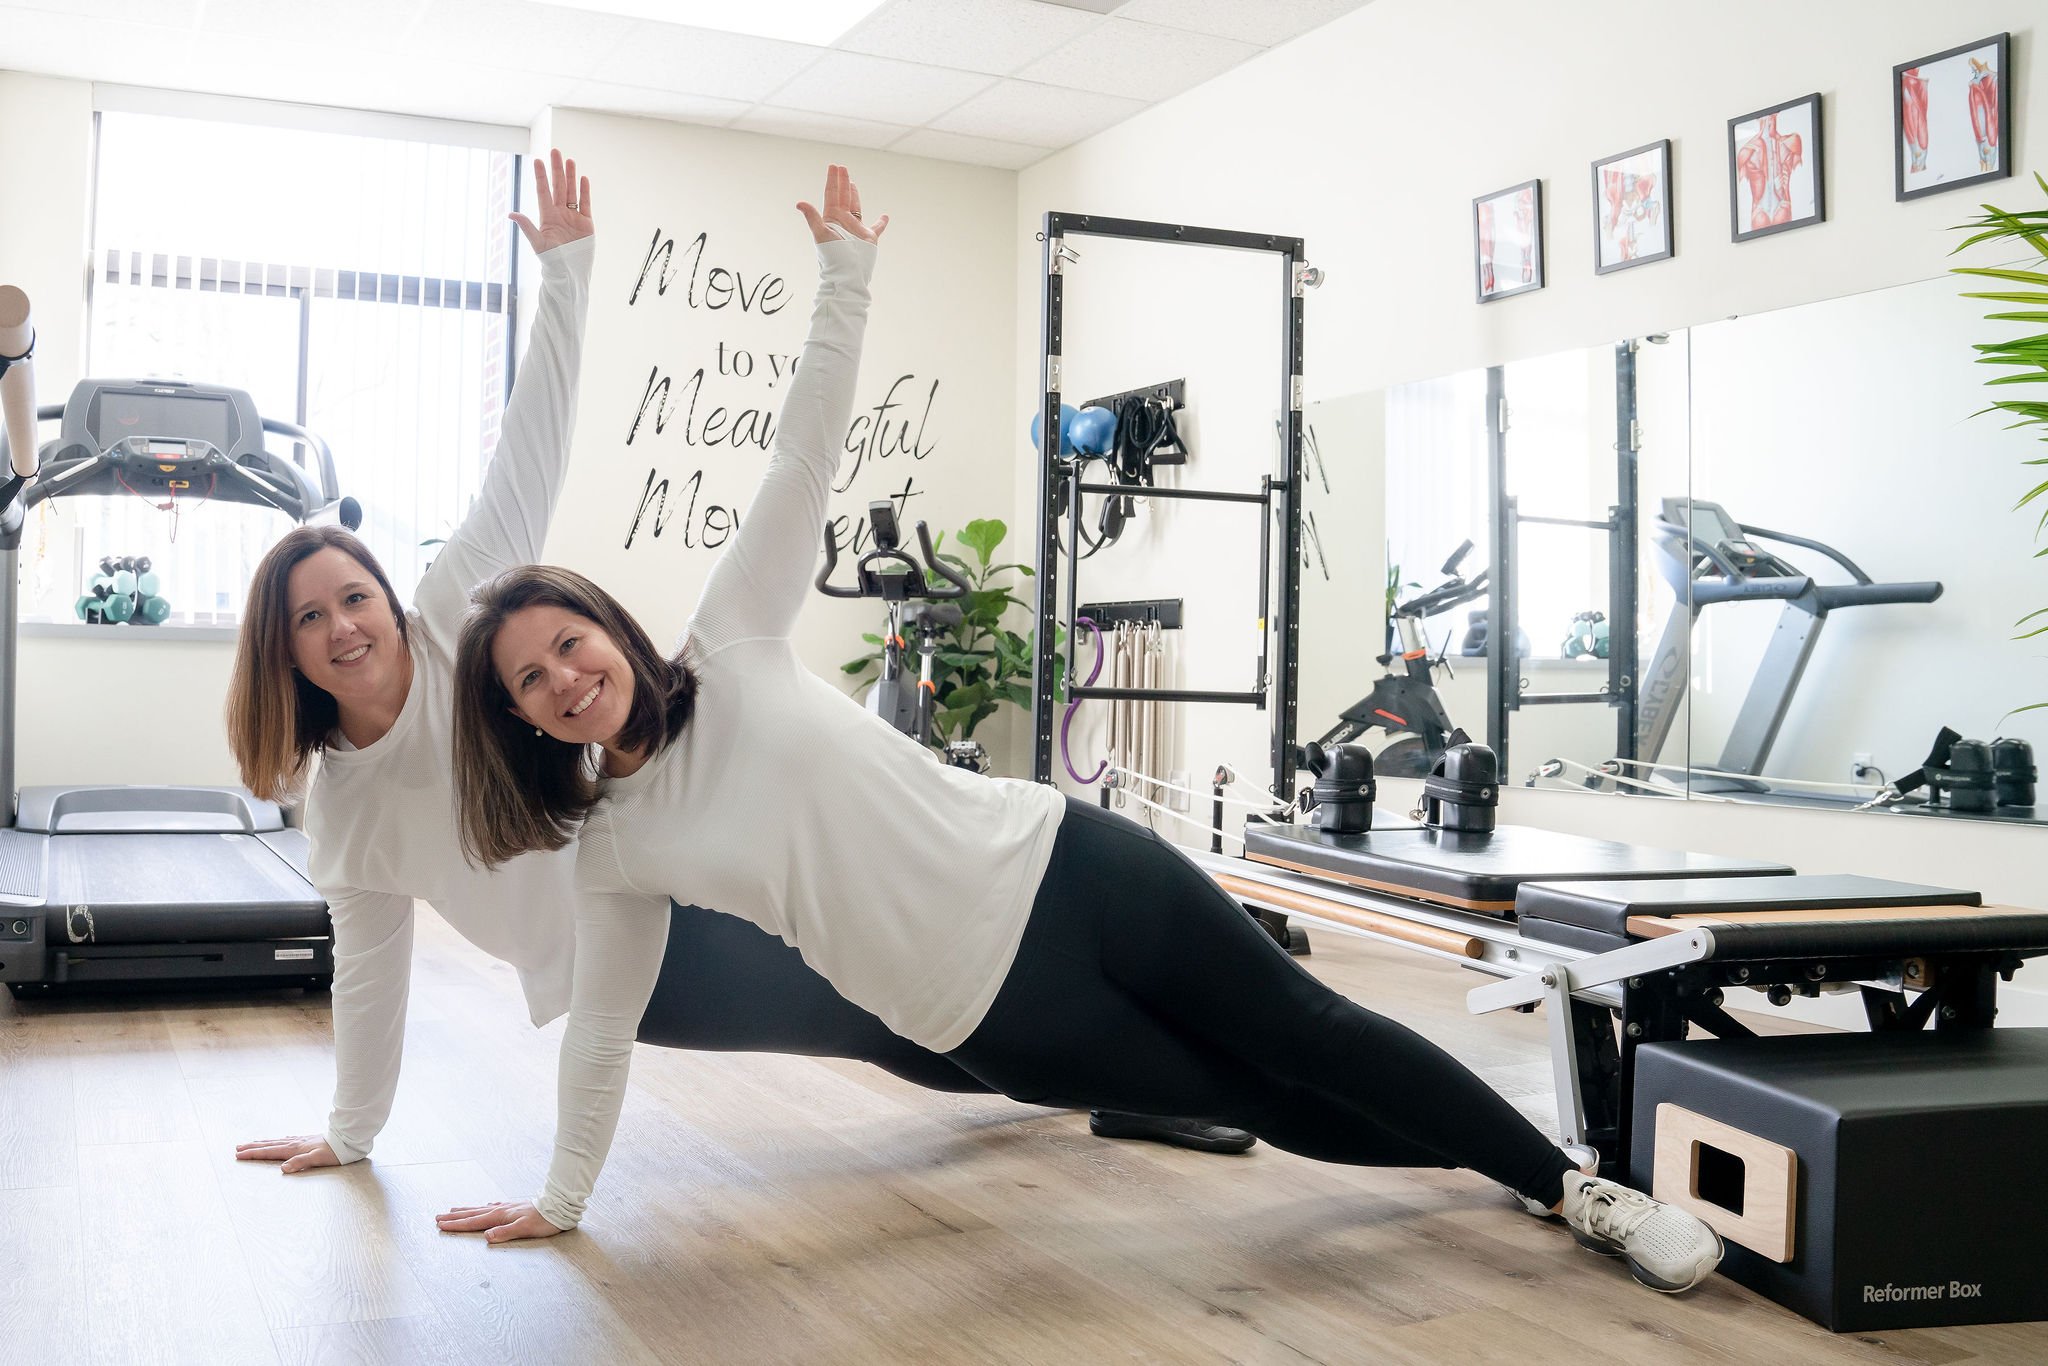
<point x="817" y="22"/>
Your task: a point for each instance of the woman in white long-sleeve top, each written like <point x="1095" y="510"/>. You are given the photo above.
<point x="1060" y="953"/>
<point x="329" y="664"/>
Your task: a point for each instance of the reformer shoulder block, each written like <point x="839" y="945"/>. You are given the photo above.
<point x="1607" y="905"/>
<point x="1478" y="872"/>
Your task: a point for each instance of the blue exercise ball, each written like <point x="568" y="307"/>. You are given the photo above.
<point x="1093" y="430"/>
<point x="1067" y="415"/>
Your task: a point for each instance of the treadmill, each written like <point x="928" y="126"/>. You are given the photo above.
<point x="1708" y="557"/>
<point x="133" y="884"/>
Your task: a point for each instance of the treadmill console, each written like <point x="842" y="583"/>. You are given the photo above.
<point x="1719" y="537"/>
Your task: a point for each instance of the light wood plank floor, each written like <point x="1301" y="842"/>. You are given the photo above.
<point x="762" y="1209"/>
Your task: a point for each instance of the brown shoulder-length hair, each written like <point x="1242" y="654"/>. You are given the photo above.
<point x="276" y="719"/>
<point x="515" y="789"/>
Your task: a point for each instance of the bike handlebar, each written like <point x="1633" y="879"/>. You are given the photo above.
<point x="917" y="579"/>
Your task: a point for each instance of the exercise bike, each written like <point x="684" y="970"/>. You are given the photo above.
<point x="919" y="598"/>
<point x="1406" y="705"/>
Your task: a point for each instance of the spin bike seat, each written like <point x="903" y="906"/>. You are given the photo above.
<point x="938" y="613"/>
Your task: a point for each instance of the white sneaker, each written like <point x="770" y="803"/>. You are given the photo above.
<point x="1583" y="1157"/>
<point x="1666" y="1248"/>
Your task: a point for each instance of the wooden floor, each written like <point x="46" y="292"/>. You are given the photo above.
<point x="761" y="1209"/>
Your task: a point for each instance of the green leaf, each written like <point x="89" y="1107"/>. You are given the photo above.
<point x="2024" y="277"/>
<point x="982" y="536"/>
<point x="2009" y="298"/>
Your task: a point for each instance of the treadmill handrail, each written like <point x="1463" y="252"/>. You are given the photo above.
<point x="330" y="484"/>
<point x="1765" y="533"/>
<point x="1836" y="595"/>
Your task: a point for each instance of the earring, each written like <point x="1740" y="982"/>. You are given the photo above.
<point x="536" y="730"/>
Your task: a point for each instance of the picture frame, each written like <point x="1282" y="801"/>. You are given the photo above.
<point x="1952" y="118"/>
<point x="1776" y="172"/>
<point x="1632" y="208"/>
<point x="1507" y="241"/>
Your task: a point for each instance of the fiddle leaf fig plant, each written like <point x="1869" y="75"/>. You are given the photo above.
<point x="981" y="664"/>
<point x="2026" y="358"/>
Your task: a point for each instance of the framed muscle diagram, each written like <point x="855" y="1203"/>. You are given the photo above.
<point x="1507" y="232"/>
<point x="1951" y="113"/>
<point x="1632" y="208"/>
<point x="1774" y="169"/>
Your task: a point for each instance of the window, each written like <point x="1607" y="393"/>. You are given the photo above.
<point x="359" y="286"/>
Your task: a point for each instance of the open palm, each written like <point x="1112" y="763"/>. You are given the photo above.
<point x="841" y="214"/>
<point x="564" y="205"/>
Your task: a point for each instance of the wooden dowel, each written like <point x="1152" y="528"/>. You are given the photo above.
<point x="1392" y="927"/>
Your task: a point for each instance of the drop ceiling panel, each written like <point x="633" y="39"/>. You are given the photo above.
<point x="1040" y="115"/>
<point x="858" y="86"/>
<point x="994" y="36"/>
<point x="1137" y="61"/>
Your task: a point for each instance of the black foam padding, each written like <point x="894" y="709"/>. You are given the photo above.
<point x="1606" y="906"/>
<point x="1448" y="865"/>
<point x="1540" y="931"/>
<point x="1920" y="1192"/>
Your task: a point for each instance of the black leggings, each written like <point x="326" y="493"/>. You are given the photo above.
<point x="728" y="986"/>
<point x="1141" y="985"/>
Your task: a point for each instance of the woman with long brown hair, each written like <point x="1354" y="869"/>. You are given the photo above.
<point x="1059" y="952"/>
<point x="330" y="666"/>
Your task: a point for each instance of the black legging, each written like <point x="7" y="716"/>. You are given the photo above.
<point x="1141" y="985"/>
<point x="728" y="986"/>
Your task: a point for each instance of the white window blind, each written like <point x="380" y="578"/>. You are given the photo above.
<point x="359" y="286"/>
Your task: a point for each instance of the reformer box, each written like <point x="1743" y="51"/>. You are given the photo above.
<point x="1868" y="1181"/>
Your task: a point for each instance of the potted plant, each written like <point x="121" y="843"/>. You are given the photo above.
<point x="2026" y="356"/>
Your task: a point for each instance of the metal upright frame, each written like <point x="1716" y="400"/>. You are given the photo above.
<point x="1060" y="489"/>
<point x="1504" y="691"/>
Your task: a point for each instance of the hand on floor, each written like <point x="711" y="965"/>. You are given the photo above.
<point x="503" y="1222"/>
<point x="299" y="1153"/>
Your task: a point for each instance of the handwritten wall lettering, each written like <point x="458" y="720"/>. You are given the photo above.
<point x="766" y="293"/>
<point x="738" y="415"/>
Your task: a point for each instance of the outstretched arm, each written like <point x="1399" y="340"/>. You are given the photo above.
<point x="620" y="939"/>
<point x="372" y="979"/>
<point x="508" y="523"/>
<point x="759" y="583"/>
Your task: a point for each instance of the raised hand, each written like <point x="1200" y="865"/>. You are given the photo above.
<point x="503" y="1222"/>
<point x="301" y="1152"/>
<point x="563" y="204"/>
<point x="841" y="215"/>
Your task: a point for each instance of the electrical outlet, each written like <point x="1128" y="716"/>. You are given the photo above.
<point x="1859" y="764"/>
<point x="1178" y="800"/>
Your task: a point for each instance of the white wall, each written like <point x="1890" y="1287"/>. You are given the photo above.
<point x="938" y="349"/>
<point x="106" y="708"/>
<point x="1370" y="137"/>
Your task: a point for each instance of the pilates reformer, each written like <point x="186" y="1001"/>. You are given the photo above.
<point x="1597" y="931"/>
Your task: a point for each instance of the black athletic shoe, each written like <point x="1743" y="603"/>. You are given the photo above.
<point x="1181" y="1133"/>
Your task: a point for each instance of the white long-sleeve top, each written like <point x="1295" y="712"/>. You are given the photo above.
<point x="903" y="882"/>
<point x="382" y="819"/>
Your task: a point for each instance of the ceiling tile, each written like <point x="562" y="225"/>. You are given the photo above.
<point x="797" y="123"/>
<point x="79" y="47"/>
<point x="726" y="66"/>
<point x="877" y="88"/>
<point x="995" y="36"/>
<point x="163" y="13"/>
<point x="929" y="142"/>
<point x="1266" y="23"/>
<point x="1040" y="115"/>
<point x="607" y="98"/>
<point x="1138" y="61"/>
<point x="370" y="25"/>
<point x="514" y="34"/>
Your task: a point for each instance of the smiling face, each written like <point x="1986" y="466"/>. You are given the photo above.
<point x="344" y="631"/>
<point x="563" y="674"/>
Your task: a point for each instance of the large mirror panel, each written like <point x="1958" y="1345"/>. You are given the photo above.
<point x="1856" y="563"/>
<point x="1437" y="510"/>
